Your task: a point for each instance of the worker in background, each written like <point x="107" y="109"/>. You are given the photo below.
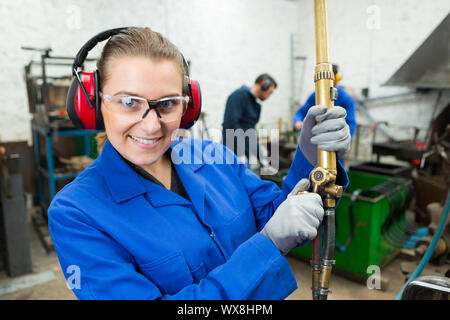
<point x="137" y="224"/>
<point x="242" y="111"/>
<point x="344" y="100"/>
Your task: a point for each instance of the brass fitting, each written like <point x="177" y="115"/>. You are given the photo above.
<point x="325" y="276"/>
<point x="320" y="176"/>
<point x="334" y="190"/>
<point x="315" y="279"/>
<point x="329" y="202"/>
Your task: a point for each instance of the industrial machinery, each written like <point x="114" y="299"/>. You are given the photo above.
<point x="14" y="235"/>
<point x="47" y="89"/>
<point x="54" y="136"/>
<point x="427" y="288"/>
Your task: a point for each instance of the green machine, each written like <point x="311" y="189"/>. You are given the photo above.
<point x="370" y="223"/>
<point x="80" y="146"/>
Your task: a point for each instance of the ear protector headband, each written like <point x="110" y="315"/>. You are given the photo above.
<point x="265" y="84"/>
<point x="83" y="99"/>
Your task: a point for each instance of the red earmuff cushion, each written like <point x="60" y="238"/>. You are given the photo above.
<point x="77" y="105"/>
<point x="194" y="106"/>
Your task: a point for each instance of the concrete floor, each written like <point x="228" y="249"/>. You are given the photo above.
<point x="41" y="262"/>
<point x="343" y="289"/>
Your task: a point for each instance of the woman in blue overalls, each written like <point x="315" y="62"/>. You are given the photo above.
<point x="152" y="219"/>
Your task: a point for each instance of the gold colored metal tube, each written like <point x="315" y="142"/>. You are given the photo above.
<point x="323" y="177"/>
<point x="321" y="29"/>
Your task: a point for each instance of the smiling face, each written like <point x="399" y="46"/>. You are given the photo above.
<point x="141" y="141"/>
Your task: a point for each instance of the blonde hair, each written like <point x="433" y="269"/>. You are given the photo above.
<point x="137" y="42"/>
<point x="100" y="138"/>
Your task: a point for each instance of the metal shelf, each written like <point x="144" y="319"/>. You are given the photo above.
<point x="49" y="171"/>
<point x="58" y="176"/>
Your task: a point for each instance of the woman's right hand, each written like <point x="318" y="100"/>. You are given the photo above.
<point x="296" y="220"/>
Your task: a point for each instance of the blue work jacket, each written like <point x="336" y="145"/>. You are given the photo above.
<point x="129" y="238"/>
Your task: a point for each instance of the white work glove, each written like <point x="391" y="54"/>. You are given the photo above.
<point x="296" y="220"/>
<point x="331" y="134"/>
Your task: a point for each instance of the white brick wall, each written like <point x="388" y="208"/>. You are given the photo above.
<point x="369" y="50"/>
<point x="229" y="43"/>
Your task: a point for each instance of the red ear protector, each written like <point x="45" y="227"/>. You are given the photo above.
<point x="83" y="98"/>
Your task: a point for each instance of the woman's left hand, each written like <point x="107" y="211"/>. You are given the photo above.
<point x="331" y="134"/>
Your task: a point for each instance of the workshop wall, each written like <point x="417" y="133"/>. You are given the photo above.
<point x="228" y="42"/>
<point x="370" y="40"/>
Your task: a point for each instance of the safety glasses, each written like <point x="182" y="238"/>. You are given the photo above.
<point x="134" y="108"/>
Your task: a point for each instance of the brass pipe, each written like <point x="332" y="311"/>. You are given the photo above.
<point x="321" y="31"/>
<point x="323" y="177"/>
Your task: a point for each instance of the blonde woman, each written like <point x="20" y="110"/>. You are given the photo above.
<point x="139" y="224"/>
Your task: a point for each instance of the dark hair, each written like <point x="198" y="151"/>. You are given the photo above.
<point x="139" y="42"/>
<point x="335" y="68"/>
<point x="265" y="76"/>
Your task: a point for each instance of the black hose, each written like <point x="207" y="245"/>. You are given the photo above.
<point x="329" y="235"/>
<point x="326" y="261"/>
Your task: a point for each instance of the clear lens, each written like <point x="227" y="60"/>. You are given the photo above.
<point x="168" y="109"/>
<point x="134" y="108"/>
<point x="169" y="104"/>
<point x="129" y="102"/>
